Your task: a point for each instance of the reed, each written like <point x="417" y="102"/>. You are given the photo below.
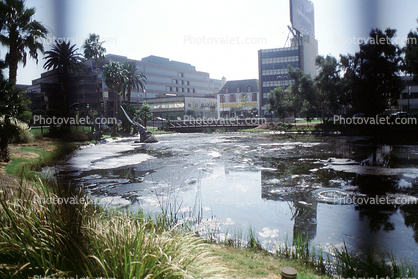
<point x="49" y="230"/>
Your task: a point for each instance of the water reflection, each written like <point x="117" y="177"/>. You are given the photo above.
<point x="365" y="173"/>
<point x="301" y="185"/>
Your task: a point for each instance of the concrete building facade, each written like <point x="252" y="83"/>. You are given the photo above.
<point x="163" y="78"/>
<point x="177" y="107"/>
<point x="238" y="97"/>
<point x="273" y="65"/>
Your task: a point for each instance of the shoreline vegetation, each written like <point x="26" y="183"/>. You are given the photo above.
<point x="62" y="239"/>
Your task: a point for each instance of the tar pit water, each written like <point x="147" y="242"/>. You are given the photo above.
<point x="330" y="190"/>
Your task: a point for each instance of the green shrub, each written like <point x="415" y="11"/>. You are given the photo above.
<point x="41" y="236"/>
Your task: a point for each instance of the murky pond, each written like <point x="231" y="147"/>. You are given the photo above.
<point x="332" y="190"/>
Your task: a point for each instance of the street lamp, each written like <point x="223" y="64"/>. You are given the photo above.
<point x="409" y="96"/>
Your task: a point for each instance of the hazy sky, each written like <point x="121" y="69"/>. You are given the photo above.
<point x="218" y="37"/>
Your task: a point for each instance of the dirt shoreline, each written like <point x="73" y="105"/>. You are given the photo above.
<point x="11" y="183"/>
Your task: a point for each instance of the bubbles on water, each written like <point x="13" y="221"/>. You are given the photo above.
<point x="333" y="196"/>
<point x="269" y="233"/>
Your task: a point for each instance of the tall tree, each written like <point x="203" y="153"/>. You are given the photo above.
<point x="375" y="70"/>
<point x="64" y="58"/>
<point x="93" y="49"/>
<point x="134" y="80"/>
<point x="115" y="77"/>
<point x="20" y="34"/>
<point x="411" y="54"/>
<point x="328" y="85"/>
<point x="300" y="94"/>
<point x="300" y="90"/>
<point x="276" y="102"/>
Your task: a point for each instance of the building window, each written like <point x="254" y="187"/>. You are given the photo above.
<point x="182" y="89"/>
<point x="254" y="97"/>
<point x="232" y="98"/>
<point x="194" y="90"/>
<point x="177" y="89"/>
<point x="238" y="89"/>
<point x="249" y="89"/>
<point x="181" y="74"/>
<point x="227" y="90"/>
<point x="188" y="82"/>
<point x="222" y="98"/>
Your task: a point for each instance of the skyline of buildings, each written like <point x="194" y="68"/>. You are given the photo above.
<point x="164" y="78"/>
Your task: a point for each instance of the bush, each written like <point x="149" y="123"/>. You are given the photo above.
<point x="24" y="136"/>
<point x="40" y="237"/>
<point x="67" y="134"/>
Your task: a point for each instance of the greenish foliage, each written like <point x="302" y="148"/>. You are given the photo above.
<point x="133" y="80"/>
<point x="328" y="84"/>
<point x="298" y="97"/>
<point x="366" y="82"/>
<point x="115" y="77"/>
<point x="20" y="33"/>
<point x="145" y="113"/>
<point x="27" y="166"/>
<point x="372" y="74"/>
<point x="23" y="136"/>
<point x="64" y="57"/>
<point x="93" y="49"/>
<point x="52" y="231"/>
<point x="370" y="265"/>
<point x="190" y="112"/>
<point x="14" y="114"/>
<point x="411" y="54"/>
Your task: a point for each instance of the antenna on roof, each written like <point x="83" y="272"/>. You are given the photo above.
<point x="288" y="35"/>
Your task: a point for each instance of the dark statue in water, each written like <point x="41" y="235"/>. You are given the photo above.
<point x="144" y="135"/>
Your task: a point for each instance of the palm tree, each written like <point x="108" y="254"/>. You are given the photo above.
<point x="14" y="114"/>
<point x="115" y="77"/>
<point x="134" y="80"/>
<point x="64" y="58"/>
<point x="93" y="50"/>
<point x="20" y="34"/>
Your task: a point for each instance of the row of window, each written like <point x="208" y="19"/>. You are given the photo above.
<point x="238" y="89"/>
<point x="275" y="72"/>
<point x="407" y="96"/>
<point x="276" y="83"/>
<point x="280" y="59"/>
<point x="279" y="49"/>
<point x="243" y="98"/>
<point x="181" y="89"/>
<point x="167" y="106"/>
<point x="202" y="105"/>
<point x="182" y="82"/>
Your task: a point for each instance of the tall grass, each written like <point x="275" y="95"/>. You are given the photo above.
<point x="368" y="264"/>
<point x="50" y="230"/>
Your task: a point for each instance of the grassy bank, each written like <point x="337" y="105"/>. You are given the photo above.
<point x="23" y="166"/>
<point x="52" y="231"/>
